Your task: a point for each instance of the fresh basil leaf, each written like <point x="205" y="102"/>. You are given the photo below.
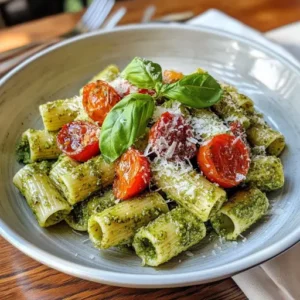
<point x="195" y="90"/>
<point x="143" y="73"/>
<point x="126" y="122"/>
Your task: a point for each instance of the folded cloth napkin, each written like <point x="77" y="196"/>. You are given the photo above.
<point x="278" y="278"/>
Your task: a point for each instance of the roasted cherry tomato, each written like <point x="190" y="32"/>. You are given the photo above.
<point x="98" y="99"/>
<point x="132" y="174"/>
<point x="79" y="140"/>
<point x="224" y="160"/>
<point x="170" y="137"/>
<point x="171" y="76"/>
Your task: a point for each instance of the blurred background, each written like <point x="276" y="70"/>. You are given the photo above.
<point x="32" y="25"/>
<point x="19" y="11"/>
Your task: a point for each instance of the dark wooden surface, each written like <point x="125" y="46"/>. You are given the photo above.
<point x="23" y="278"/>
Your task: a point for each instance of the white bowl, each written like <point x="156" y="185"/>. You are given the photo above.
<point x="269" y="79"/>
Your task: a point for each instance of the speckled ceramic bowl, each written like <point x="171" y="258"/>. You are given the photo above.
<point x="269" y="79"/>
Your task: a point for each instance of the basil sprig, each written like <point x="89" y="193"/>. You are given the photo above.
<point x="125" y="123"/>
<point x="128" y="119"/>
<point x="195" y="90"/>
<point x="143" y="73"/>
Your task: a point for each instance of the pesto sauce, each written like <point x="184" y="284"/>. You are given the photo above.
<point x="23" y="151"/>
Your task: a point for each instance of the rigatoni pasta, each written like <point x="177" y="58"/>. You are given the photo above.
<point x="81" y="212"/>
<point x="242" y="210"/>
<point x="230" y="111"/>
<point x="86" y="178"/>
<point x="118" y="224"/>
<point x="57" y="113"/>
<point x="265" y="173"/>
<point x="37" y="145"/>
<point x="189" y="189"/>
<point x="167" y="236"/>
<point x="45" y="201"/>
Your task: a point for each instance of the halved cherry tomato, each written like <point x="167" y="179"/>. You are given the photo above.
<point x="79" y="140"/>
<point x="132" y="174"/>
<point x="171" y="76"/>
<point x="170" y="137"/>
<point x="98" y="99"/>
<point x="224" y="160"/>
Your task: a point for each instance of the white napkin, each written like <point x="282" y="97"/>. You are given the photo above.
<point x="278" y="278"/>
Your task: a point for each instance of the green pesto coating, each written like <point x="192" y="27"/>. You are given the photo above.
<point x="37" y="145"/>
<point x="266" y="173"/>
<point x="242" y="210"/>
<point x="228" y="109"/>
<point x="23" y="151"/>
<point x="45" y="201"/>
<point x="263" y="135"/>
<point x="260" y="134"/>
<point x="117" y="225"/>
<point x="62" y="166"/>
<point x="241" y="100"/>
<point x="167" y="236"/>
<point x="57" y="113"/>
<point x="87" y="178"/>
<point x="189" y="189"/>
<point x="79" y="216"/>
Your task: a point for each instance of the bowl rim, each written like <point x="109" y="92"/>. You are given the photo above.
<point x="146" y="280"/>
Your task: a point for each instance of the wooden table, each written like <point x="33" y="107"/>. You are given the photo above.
<point x="23" y="278"/>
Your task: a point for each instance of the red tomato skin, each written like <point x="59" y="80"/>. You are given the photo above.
<point x="84" y="135"/>
<point x="232" y="151"/>
<point x="89" y="152"/>
<point x="146" y="91"/>
<point x="132" y="175"/>
<point x="171" y="129"/>
<point x="98" y="99"/>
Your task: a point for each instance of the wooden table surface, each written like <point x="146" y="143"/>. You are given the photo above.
<point x="23" y="278"/>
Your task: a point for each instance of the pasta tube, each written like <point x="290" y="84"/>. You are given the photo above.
<point x="189" y="189"/>
<point x="266" y="173"/>
<point x="241" y="100"/>
<point x="62" y="166"/>
<point x="37" y="145"/>
<point x="80" y="182"/>
<point x="117" y="225"/>
<point x="263" y="135"/>
<point x="57" y="113"/>
<point x="242" y="210"/>
<point x="206" y="124"/>
<point x="260" y="134"/>
<point x="45" y="201"/>
<point x="110" y="73"/>
<point x="79" y="216"/>
<point x="167" y="236"/>
<point x="229" y="110"/>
